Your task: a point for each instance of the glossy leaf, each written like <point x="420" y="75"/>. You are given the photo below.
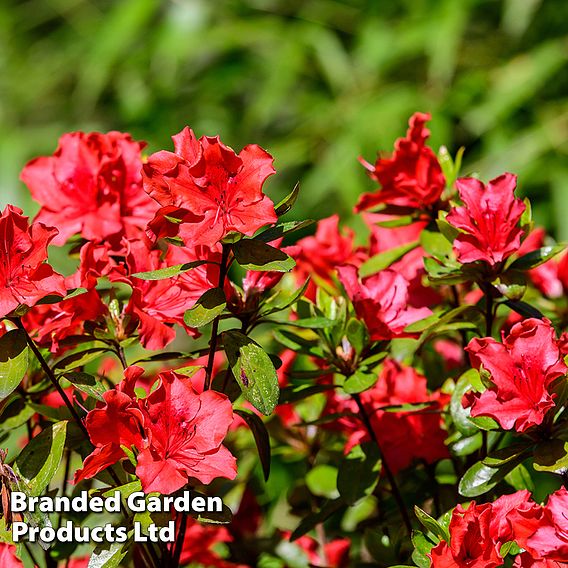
<point x="480" y="478"/>
<point x="359" y="382"/>
<point x="359" y="472"/>
<point x="288" y="202"/>
<point x="385" y="259"/>
<point x="39" y="460"/>
<point x="168" y="272"/>
<point x="206" y="309"/>
<point x="86" y="383"/>
<point x="256" y="255"/>
<point x="537" y="257"/>
<point x="431" y="524"/>
<point x="253" y="370"/>
<point x="261" y="438"/>
<point x="282" y="229"/>
<point x="14" y="360"/>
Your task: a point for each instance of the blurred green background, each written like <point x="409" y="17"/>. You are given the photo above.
<point x="315" y="82"/>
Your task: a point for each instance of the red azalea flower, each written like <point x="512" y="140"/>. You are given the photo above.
<point x="545" y="276"/>
<point x="186" y="432"/>
<point x="8" y="558"/>
<point x="246" y="299"/>
<point x="178" y="432"/>
<point x="525" y="560"/>
<point x="452" y="353"/>
<point x="550" y="540"/>
<point x="335" y="552"/>
<point x="157" y="304"/>
<point x="411" y="265"/>
<point x="381" y="301"/>
<point x="563" y="270"/>
<point x="514" y="517"/>
<point x="91" y="185"/>
<point x="216" y="190"/>
<point x="412" y="177"/>
<point x="522" y="369"/>
<point x="398" y="384"/>
<point x="25" y="277"/>
<point x="471" y="543"/>
<point x="118" y="421"/>
<point x="319" y="255"/>
<point x="488" y="220"/>
<point x="199" y="545"/>
<point x="50" y="324"/>
<point x="97" y="260"/>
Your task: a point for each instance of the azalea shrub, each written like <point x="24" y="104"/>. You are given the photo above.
<point x="391" y="398"/>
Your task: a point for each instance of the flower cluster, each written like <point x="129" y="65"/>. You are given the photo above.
<point x="391" y="397"/>
<point x="479" y="535"/>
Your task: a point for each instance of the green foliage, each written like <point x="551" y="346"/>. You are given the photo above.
<point x="206" y="309"/>
<point x="14" y="361"/>
<point x="253" y="254"/>
<point x="261" y="438"/>
<point x="315" y="83"/>
<point x="39" y="460"/>
<point x="253" y="369"/>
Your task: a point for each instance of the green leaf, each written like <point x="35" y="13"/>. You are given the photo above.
<point x="86" y="383"/>
<point x="298" y="343"/>
<point x="461" y="415"/>
<point x="407" y="407"/>
<point x="16" y="413"/>
<point x="294" y="393"/>
<point x="431" y="524"/>
<point x="504" y="455"/>
<point x="402" y="221"/>
<point x="316" y="322"/>
<point x="357" y="335"/>
<point x="422" y="547"/>
<point x="526" y="310"/>
<point x="460" y="314"/>
<point x="256" y="255"/>
<point x="214" y="518"/>
<point x="423" y="324"/>
<point x="359" y="472"/>
<point x="322" y="481"/>
<point x="520" y="479"/>
<point x="359" y="382"/>
<point x="55" y="299"/>
<point x="314" y="519"/>
<point x="512" y="284"/>
<point x="442" y="274"/>
<point x="125" y="490"/>
<point x="108" y="555"/>
<point x="39" y="460"/>
<point x="288" y="202"/>
<point x="450" y="167"/>
<point x="168" y="272"/>
<point x="79" y="359"/>
<point x="282" y="229"/>
<point x="449" y="231"/>
<point x="436" y="244"/>
<point x="526" y="217"/>
<point x="261" y="438"/>
<point x="253" y="370"/>
<point x="552" y="456"/>
<point x="282" y="300"/>
<point x="206" y="309"/>
<point x="480" y="478"/>
<point x="14" y="360"/>
<point x="537" y="257"/>
<point x="385" y="259"/>
<point x="465" y="445"/>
